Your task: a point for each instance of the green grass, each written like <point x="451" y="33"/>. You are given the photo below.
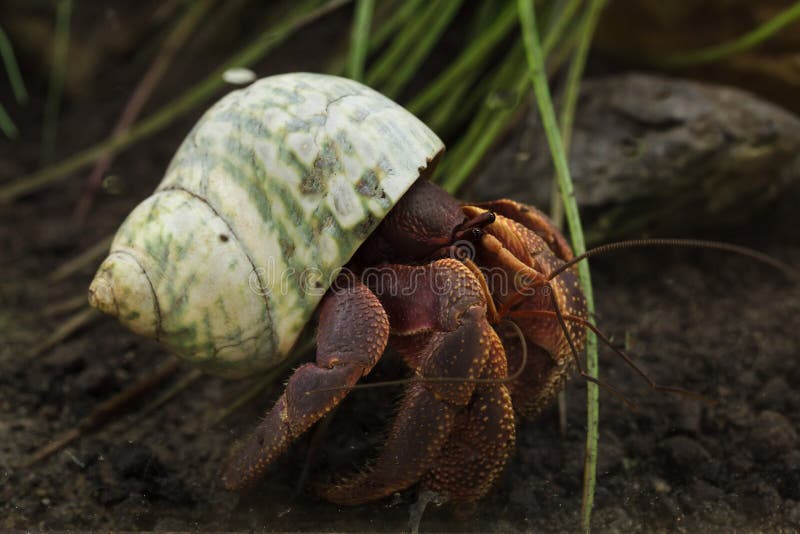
<point x="359" y="40"/>
<point x="17" y="85"/>
<point x="541" y="88"/>
<point x="723" y="50"/>
<point x="58" y="70"/>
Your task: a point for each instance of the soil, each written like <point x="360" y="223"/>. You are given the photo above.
<point x="721" y="326"/>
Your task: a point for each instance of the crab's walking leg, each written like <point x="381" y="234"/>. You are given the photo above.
<point x="542" y="378"/>
<point x="481" y="441"/>
<point x="352" y="335"/>
<point x="438" y="318"/>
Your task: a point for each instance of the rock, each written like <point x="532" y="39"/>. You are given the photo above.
<point x="774" y="394"/>
<point x="95" y="380"/>
<point x="652" y="154"/>
<point x="638" y="31"/>
<point x="792" y="510"/>
<point x="772" y="434"/>
<point x="686" y="456"/>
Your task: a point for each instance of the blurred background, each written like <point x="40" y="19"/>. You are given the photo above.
<point x="682" y="122"/>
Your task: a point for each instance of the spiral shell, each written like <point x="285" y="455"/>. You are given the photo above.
<point x="267" y="198"/>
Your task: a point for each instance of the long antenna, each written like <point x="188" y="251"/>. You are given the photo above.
<point x="788" y="270"/>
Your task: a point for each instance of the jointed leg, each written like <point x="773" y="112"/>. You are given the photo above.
<point x="441" y="334"/>
<point x="352" y="335"/>
<point x="482" y="440"/>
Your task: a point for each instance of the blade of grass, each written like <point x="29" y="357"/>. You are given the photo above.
<point x="541" y="90"/>
<point x="469" y="60"/>
<point x="174" y="41"/>
<point x="723" y="50"/>
<point x="359" y="39"/>
<point x="386" y="19"/>
<point x="567" y="120"/>
<point x="493" y="119"/>
<point x="12" y="68"/>
<point x="58" y="69"/>
<point x="7" y="125"/>
<point x="443" y="17"/>
<point x="400" y="62"/>
<point x="395" y="21"/>
<point x="172" y="111"/>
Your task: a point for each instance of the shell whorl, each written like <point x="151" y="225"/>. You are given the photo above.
<point x="267" y="198"/>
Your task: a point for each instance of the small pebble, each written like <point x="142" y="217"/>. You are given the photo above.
<point x="772" y="434"/>
<point x="686" y="456"/>
<point x="239" y="76"/>
<point x="774" y="394"/>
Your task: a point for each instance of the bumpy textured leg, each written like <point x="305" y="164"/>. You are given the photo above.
<point x="549" y="355"/>
<point x="482" y="440"/>
<point x="541" y="379"/>
<point x="438" y="319"/>
<point x="534" y="220"/>
<point x="353" y="333"/>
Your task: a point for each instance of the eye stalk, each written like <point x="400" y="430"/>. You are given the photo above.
<point x="472" y="229"/>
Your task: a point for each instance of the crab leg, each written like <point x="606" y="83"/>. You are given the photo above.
<point x="481" y="442"/>
<point x="541" y="379"/>
<point x="352" y="336"/>
<point x="438" y="318"/>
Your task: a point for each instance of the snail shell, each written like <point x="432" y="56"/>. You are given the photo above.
<point x="267" y="198"/>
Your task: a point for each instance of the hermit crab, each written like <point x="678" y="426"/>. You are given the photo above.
<point x="307" y="195"/>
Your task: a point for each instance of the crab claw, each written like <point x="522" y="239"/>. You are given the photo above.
<point x="122" y="289"/>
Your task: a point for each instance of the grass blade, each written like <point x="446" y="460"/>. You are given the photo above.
<point x="467" y="61"/>
<point x="183" y="28"/>
<point x="170" y="112"/>
<point x="412" y="46"/>
<point x="723" y="50"/>
<point x="541" y="89"/>
<point x="6" y="124"/>
<point x="58" y="71"/>
<point x="495" y="114"/>
<point x="359" y="39"/>
<point x="12" y="68"/>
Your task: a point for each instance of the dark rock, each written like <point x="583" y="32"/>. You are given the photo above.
<point x="774" y="394"/>
<point x="95" y="380"/>
<point x="147" y="475"/>
<point x="685" y="457"/>
<point x="772" y="434"/>
<point x="792" y="512"/>
<point x="659" y="155"/>
<point x="609" y="456"/>
<point x="787" y="475"/>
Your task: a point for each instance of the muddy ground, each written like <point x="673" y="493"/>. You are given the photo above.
<point x="722" y="326"/>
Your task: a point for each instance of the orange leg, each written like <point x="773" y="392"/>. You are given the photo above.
<point x="442" y="335"/>
<point x="352" y="336"/>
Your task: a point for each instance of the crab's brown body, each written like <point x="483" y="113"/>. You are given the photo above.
<point x="411" y="286"/>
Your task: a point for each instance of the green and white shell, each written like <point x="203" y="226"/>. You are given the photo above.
<point x="267" y="198"/>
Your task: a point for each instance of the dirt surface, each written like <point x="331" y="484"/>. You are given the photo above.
<point x="721" y="326"/>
